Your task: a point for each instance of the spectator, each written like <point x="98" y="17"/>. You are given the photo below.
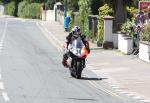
<point x="43" y="11"/>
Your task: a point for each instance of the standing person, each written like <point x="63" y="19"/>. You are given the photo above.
<point x="148" y="13"/>
<point x="43" y="12"/>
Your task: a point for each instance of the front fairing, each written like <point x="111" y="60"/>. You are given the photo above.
<point x="76" y="47"/>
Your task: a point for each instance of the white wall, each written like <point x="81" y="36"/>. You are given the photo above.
<point x="50" y="15"/>
<point x="125" y="44"/>
<point x="144" y="52"/>
<point x="60" y="17"/>
<point x="115" y="40"/>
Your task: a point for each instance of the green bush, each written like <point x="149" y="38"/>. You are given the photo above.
<point x="27" y="10"/>
<point x="10" y="8"/>
<point x="21" y="9"/>
<point x="103" y="11"/>
<point x="131" y="11"/>
<point x="126" y="27"/>
<point x="50" y="4"/>
<point x="71" y="24"/>
<point x="34" y="10"/>
<point x="146" y="33"/>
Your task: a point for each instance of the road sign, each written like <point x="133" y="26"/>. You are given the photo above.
<point x="144" y="6"/>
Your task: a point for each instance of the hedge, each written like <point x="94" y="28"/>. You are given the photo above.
<point x="10" y="8"/>
<point x="27" y="10"/>
<point x="21" y="9"/>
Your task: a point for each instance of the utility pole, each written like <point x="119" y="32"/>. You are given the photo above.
<point x="65" y="8"/>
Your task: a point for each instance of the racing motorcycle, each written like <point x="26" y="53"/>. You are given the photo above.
<point x="77" y="54"/>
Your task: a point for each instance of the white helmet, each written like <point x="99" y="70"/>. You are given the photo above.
<point x="76" y="31"/>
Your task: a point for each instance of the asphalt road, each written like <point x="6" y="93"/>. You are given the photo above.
<point x="31" y="70"/>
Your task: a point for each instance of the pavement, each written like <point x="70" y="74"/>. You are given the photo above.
<point x="124" y="73"/>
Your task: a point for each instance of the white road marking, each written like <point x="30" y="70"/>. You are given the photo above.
<point x="137" y="97"/>
<point x="99" y="64"/>
<point x="115" y="87"/>
<point x="119" y="90"/>
<point x="4" y="32"/>
<point x="23" y="20"/>
<point x="2" y="86"/>
<point x="104" y="90"/>
<point x="5" y="96"/>
<point x="130" y="94"/>
<point x="145" y="101"/>
<point x="3" y="36"/>
<point x="124" y="92"/>
<point x="0" y="76"/>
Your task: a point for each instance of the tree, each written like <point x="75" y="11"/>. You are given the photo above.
<point x="84" y="11"/>
<point x="95" y="4"/>
<point x="73" y="5"/>
<point x="120" y="12"/>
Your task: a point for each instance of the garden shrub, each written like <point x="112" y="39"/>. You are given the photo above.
<point x="10" y="8"/>
<point x="127" y="27"/>
<point x="131" y="11"/>
<point x="21" y="9"/>
<point x="27" y="10"/>
<point x="34" y="10"/>
<point x="146" y="33"/>
<point x="50" y="4"/>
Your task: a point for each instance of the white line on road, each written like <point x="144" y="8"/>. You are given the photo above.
<point x="104" y="90"/>
<point x="4" y="32"/>
<point x="2" y="86"/>
<point x="3" y="36"/>
<point x="23" y="20"/>
<point x="137" y="97"/>
<point x="145" y="101"/>
<point x="0" y="75"/>
<point x="5" y="96"/>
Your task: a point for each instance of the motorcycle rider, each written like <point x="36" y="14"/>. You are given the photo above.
<point x="74" y="34"/>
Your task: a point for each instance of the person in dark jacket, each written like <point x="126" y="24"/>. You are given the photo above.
<point x="75" y="33"/>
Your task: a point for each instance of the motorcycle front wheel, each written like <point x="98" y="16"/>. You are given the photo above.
<point x="78" y="70"/>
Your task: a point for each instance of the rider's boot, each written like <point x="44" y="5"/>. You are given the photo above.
<point x="64" y="61"/>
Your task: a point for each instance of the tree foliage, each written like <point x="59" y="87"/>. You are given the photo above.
<point x="95" y="4"/>
<point x="84" y="11"/>
<point x="10" y="9"/>
<point x="29" y="10"/>
<point x="73" y="5"/>
<point x="21" y="9"/>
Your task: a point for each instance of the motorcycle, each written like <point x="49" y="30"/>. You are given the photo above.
<point x="77" y="54"/>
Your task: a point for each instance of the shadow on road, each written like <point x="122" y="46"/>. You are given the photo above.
<point x="87" y="78"/>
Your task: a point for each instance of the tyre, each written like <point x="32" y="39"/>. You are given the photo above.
<point x="79" y="70"/>
<point x="71" y="73"/>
